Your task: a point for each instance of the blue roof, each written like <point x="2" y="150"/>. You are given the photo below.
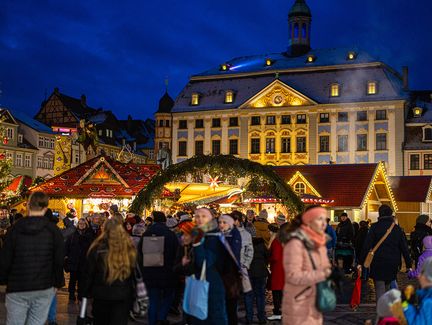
<point x="31" y="122"/>
<point x="312" y="80"/>
<point x="323" y="57"/>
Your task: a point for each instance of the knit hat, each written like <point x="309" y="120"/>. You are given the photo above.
<point x="312" y="213"/>
<point x="427" y="269"/>
<point x="385" y="211"/>
<point x="280" y="218"/>
<point x="186" y="227"/>
<point x="185" y="217"/>
<point x="423" y="219"/>
<point x="387" y="300"/>
<point x="263" y="214"/>
<point x="138" y="229"/>
<point x="228" y="219"/>
<point x="427" y="242"/>
<point x="171" y="222"/>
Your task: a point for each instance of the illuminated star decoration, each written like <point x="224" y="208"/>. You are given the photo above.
<point x="214" y="182"/>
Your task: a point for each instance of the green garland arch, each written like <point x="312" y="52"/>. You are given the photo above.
<point x="222" y="166"/>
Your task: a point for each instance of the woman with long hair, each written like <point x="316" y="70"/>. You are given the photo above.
<point x="111" y="263"/>
<point x="305" y="264"/>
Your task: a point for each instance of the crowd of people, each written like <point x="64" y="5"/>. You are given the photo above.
<point x="242" y="256"/>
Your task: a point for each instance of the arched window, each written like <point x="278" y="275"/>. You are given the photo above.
<point x="304" y="31"/>
<point x="296" y="30"/>
<point x="300" y="188"/>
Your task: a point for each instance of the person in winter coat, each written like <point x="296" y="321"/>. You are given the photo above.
<point x="208" y="247"/>
<point x="4" y="224"/>
<point x="345" y="237"/>
<point x="427" y="244"/>
<point x="277" y="276"/>
<point x="137" y="232"/>
<point x="31" y="264"/>
<point x="160" y="280"/>
<point x="384" y="307"/>
<point x="306" y="241"/>
<point x="258" y="274"/>
<point x="232" y="235"/>
<point x="359" y="240"/>
<point x="76" y="248"/>
<point x="69" y="226"/>
<point x="421" y="230"/>
<point x="249" y="222"/>
<point x="387" y="259"/>
<point x="422" y="314"/>
<point x="246" y="252"/>
<point x="331" y="244"/>
<point x="109" y="277"/>
<point x="261" y="227"/>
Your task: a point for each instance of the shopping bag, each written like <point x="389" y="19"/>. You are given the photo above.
<point x="355" y="297"/>
<point x="195" y="301"/>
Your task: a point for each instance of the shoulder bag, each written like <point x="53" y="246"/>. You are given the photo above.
<point x="368" y="261"/>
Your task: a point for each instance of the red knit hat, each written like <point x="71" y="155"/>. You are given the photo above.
<point x="186" y="227"/>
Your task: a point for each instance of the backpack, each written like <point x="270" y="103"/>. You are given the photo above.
<point x="153" y="248"/>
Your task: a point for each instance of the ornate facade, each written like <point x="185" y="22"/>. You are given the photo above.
<point x="301" y="106"/>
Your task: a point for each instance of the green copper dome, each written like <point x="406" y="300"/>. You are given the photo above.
<point x="300" y="8"/>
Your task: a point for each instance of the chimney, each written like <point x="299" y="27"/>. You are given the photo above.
<point x="56" y="90"/>
<point x="129" y="123"/>
<point x="83" y="100"/>
<point x="405" y="77"/>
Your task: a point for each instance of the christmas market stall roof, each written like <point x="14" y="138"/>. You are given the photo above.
<point x="100" y="177"/>
<point x="18" y="183"/>
<point x="341" y="185"/>
<point x="411" y="188"/>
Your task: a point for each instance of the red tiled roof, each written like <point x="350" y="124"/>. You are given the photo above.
<point x="136" y="176"/>
<point x="18" y="183"/>
<point x="346" y="184"/>
<point x="410" y="188"/>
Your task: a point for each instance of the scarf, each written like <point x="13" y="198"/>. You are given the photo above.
<point x="209" y="226"/>
<point x="318" y="239"/>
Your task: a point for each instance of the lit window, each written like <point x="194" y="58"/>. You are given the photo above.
<point x="268" y="62"/>
<point x="351" y="55"/>
<point x="195" y="99"/>
<point x="300" y="188"/>
<point x="324" y="118"/>
<point x="372" y="88"/>
<point x="41" y="142"/>
<point x="301" y="118"/>
<point x="417" y="111"/>
<point x="229" y="96"/>
<point x="334" y="90"/>
<point x="311" y="58"/>
<point x="224" y="67"/>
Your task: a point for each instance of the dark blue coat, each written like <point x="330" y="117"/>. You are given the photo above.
<point x="76" y="248"/>
<point x="161" y="276"/>
<point x="213" y="251"/>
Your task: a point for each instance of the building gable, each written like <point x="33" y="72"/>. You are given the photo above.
<point x="278" y="94"/>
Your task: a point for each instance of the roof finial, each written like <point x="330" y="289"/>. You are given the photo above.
<point x="166" y="83"/>
<point x="277" y="75"/>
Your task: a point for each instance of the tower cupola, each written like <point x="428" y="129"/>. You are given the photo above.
<point x="299" y="26"/>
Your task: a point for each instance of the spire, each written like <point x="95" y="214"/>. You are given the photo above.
<point x="166" y="84"/>
<point x="299" y="26"/>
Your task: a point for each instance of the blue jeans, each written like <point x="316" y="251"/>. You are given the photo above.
<point x="258" y="294"/>
<point x="160" y="301"/>
<point x="28" y="307"/>
<point x="52" y="313"/>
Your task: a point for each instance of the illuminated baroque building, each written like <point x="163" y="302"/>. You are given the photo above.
<point x="302" y="106"/>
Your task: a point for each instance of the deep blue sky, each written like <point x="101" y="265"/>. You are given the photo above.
<point x="119" y="52"/>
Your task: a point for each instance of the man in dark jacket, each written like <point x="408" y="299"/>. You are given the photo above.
<point x="31" y="264"/>
<point x="421" y="230"/>
<point x="387" y="259"/>
<point x="158" y="274"/>
<point x="345" y="236"/>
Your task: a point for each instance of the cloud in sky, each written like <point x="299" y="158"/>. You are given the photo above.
<point x="119" y="52"/>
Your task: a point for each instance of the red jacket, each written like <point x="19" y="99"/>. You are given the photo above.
<point x="277" y="278"/>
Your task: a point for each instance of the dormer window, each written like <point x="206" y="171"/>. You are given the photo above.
<point x="229" y="96"/>
<point x="372" y="88"/>
<point x="417" y="111"/>
<point x="310" y="58"/>
<point x="269" y="62"/>
<point x="427" y="133"/>
<point x="20" y="138"/>
<point x="195" y="99"/>
<point x="334" y="90"/>
<point x="351" y="56"/>
<point x="224" y="67"/>
<point x="300" y="188"/>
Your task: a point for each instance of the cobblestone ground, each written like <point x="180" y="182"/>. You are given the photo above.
<point x="67" y="312"/>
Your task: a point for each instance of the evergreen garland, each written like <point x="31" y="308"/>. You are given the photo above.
<point x="224" y="166"/>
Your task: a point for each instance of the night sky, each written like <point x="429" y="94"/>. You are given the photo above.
<point x="119" y="53"/>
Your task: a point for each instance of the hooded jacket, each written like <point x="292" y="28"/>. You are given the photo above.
<point x="32" y="257"/>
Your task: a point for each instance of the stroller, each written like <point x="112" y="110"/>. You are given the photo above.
<point x="345" y="257"/>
